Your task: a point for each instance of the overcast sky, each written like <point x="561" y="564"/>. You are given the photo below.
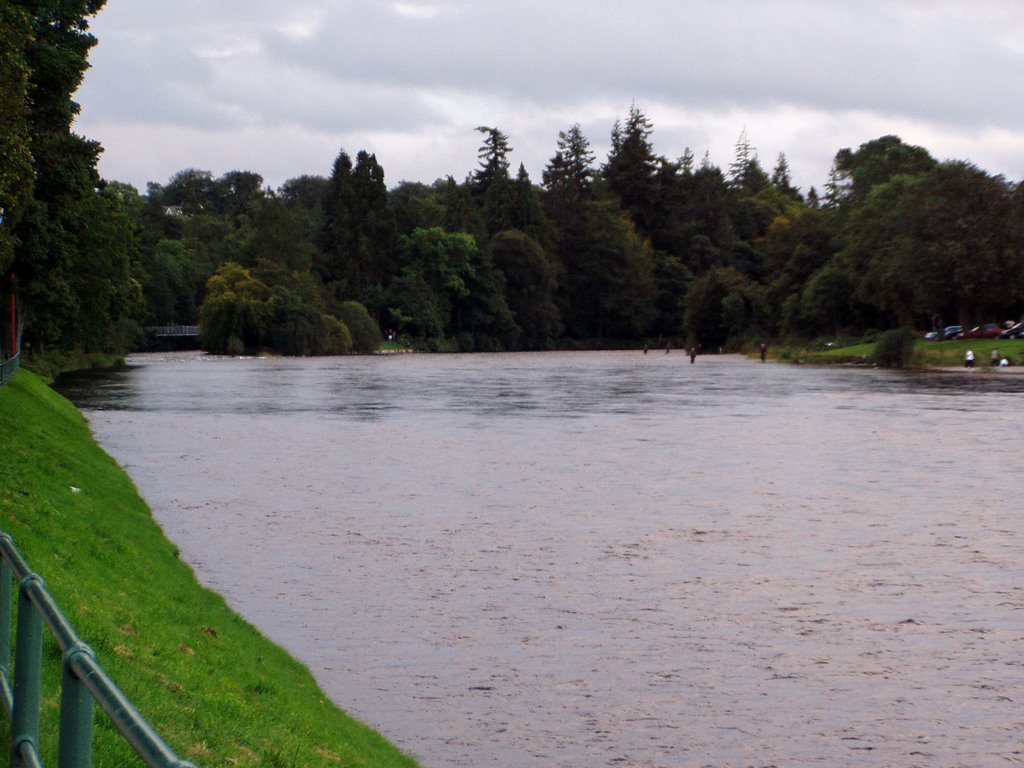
<point x="280" y="87"/>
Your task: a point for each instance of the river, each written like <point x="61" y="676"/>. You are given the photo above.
<point x="607" y="559"/>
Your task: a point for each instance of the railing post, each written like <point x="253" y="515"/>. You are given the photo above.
<point x="5" y="634"/>
<point x="75" y="714"/>
<point x="28" y="673"/>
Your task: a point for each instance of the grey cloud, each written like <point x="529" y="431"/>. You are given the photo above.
<point x="856" y="57"/>
<point x="864" y="57"/>
<point x="359" y="68"/>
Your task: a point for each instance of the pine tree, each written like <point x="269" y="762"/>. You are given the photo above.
<point x="745" y="173"/>
<point x="686" y="163"/>
<point x="782" y="180"/>
<point x="569" y="174"/>
<point x="744" y="154"/>
<point x="837" y="188"/>
<point x="491" y="185"/>
<point x="632" y="167"/>
<point x="359" y="238"/>
<point x="493" y="156"/>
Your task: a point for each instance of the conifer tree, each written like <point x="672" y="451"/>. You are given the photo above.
<point x="359" y="236"/>
<point x="782" y="180"/>
<point x="632" y="167"/>
<point x="746" y="175"/>
<point x="493" y="157"/>
<point x="569" y="174"/>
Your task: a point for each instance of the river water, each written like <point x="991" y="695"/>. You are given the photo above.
<point x="607" y="559"/>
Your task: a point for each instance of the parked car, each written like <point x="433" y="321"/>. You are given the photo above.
<point x="987" y="331"/>
<point x="951" y="331"/>
<point x="933" y="336"/>
<point x="1013" y="332"/>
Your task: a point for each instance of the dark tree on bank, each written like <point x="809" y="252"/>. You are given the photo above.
<point x="631" y="170"/>
<point x="16" y="171"/>
<point x="69" y="233"/>
<point x="491" y="184"/>
<point x="568" y="176"/>
<point x="782" y="179"/>
<point x="531" y="281"/>
<point x="946" y="242"/>
<point x="746" y="176"/>
<point x="873" y="163"/>
<point x="359" y="239"/>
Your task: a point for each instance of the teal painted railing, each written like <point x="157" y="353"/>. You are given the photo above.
<point x="84" y="680"/>
<point x="8" y="368"/>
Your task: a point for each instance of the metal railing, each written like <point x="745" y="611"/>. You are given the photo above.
<point x="8" y="368"/>
<point x="166" y="331"/>
<point x="83" y="681"/>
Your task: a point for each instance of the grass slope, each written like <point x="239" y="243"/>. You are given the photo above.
<point x="215" y="689"/>
<point x="926" y="353"/>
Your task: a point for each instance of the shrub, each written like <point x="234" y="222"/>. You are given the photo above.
<point x="339" y="339"/>
<point x="894" y="349"/>
<point x="364" y="329"/>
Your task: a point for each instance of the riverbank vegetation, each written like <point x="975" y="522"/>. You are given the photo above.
<point x="641" y="247"/>
<point x="923" y="354"/>
<point x="212" y="686"/>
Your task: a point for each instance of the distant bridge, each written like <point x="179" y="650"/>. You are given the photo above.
<point x="172" y="331"/>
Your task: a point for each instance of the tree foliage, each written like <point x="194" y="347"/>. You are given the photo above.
<point x="16" y="171"/>
<point x="637" y="248"/>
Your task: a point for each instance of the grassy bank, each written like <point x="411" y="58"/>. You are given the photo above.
<point x="212" y="686"/>
<point x="54" y="363"/>
<point x="926" y="353"/>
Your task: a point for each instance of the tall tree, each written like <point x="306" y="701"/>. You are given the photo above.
<point x="527" y="213"/>
<point x="304" y="195"/>
<point x="782" y="180"/>
<point x="238" y="192"/>
<point x="875" y="162"/>
<point x="493" y="157"/>
<point x="192" y="190"/>
<point x="359" y="237"/>
<point x="569" y="175"/>
<point x="631" y="170"/>
<point x="746" y="175"/>
<point x="16" y="172"/>
<point x="531" y="279"/>
<point x="947" y="241"/>
<point x="56" y="53"/>
<point x="491" y="184"/>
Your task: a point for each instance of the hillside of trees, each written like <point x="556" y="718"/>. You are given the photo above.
<point x="637" y="248"/>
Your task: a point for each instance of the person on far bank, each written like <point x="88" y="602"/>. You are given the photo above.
<point x="995" y="358"/>
<point x="969" y="359"/>
<point x="764" y="351"/>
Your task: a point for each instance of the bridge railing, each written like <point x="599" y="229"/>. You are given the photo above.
<point x="164" y="331"/>
<point x="83" y="681"/>
<point x="8" y="368"/>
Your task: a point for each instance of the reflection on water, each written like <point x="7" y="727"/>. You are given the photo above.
<point x="608" y="559"/>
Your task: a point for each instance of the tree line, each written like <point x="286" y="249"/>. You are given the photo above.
<point x="639" y="248"/>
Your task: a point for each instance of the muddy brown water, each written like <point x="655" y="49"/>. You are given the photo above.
<point x="607" y="559"/>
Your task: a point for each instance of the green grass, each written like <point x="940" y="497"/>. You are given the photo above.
<point x="951" y="353"/>
<point x="56" y="362"/>
<point x="926" y="353"/>
<point x="216" y="690"/>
